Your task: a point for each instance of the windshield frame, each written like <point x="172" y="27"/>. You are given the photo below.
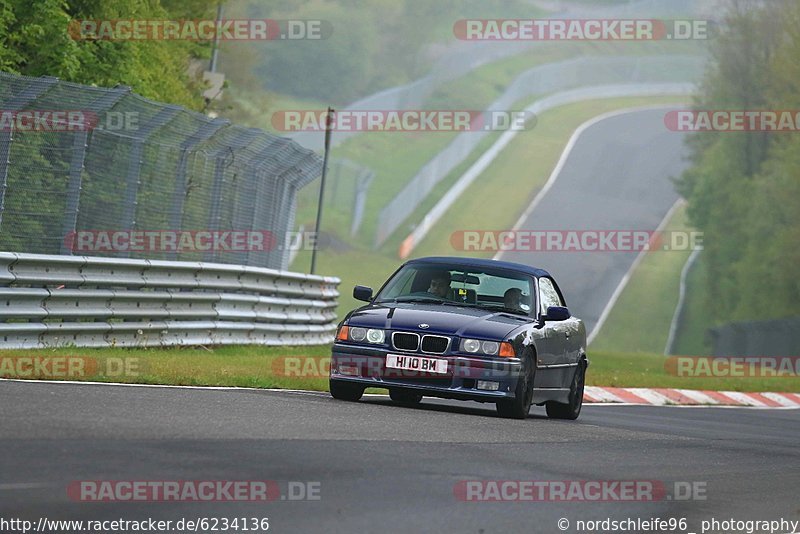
<point x="500" y="272"/>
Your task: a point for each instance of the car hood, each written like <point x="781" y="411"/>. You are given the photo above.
<point x="441" y="319"/>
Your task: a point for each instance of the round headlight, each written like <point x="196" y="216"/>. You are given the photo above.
<point x="358" y="334"/>
<point x="472" y="345"/>
<point x="375" y="335"/>
<point x="490" y="347"/>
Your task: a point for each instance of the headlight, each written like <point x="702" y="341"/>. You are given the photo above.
<point x="358" y="334"/>
<point x="490" y="347"/>
<point x="471" y="345"/>
<point x="375" y="336"/>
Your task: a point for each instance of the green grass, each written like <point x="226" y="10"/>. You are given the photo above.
<point x="640" y="320"/>
<point x="614" y="369"/>
<point x="239" y="366"/>
<point x="268" y="367"/>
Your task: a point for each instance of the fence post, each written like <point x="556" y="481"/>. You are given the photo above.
<point x="203" y="133"/>
<point x="28" y="95"/>
<point x="132" y="181"/>
<point x="76" y="166"/>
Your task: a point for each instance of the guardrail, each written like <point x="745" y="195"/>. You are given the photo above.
<point x="49" y="301"/>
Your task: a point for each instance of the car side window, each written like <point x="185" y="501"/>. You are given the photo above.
<point x="548" y="296"/>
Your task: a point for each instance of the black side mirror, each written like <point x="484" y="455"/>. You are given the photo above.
<point x="557" y="313"/>
<point x="362" y="293"/>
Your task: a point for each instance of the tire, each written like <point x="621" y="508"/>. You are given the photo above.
<point x="571" y="411"/>
<point x="405" y="397"/>
<point x="520" y="405"/>
<point x="344" y="391"/>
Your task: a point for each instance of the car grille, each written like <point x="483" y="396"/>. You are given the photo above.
<point x="435" y="344"/>
<point x="405" y="341"/>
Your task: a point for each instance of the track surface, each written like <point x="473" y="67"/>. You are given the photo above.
<point x="617" y="177"/>
<point x="382" y="468"/>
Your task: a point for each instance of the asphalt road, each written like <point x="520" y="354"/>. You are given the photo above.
<point x="617" y="177"/>
<point x="383" y="468"/>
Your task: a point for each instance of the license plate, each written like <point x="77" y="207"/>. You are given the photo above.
<point x="416" y="363"/>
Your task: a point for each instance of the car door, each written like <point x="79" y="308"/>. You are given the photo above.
<point x="550" y="348"/>
<point x="559" y="336"/>
<point x="572" y="331"/>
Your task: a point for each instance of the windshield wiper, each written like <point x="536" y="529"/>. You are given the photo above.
<point x="425" y="300"/>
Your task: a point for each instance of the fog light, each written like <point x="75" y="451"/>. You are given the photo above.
<point x="351" y="370"/>
<point x="488" y="385"/>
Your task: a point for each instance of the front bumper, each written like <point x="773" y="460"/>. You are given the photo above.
<point x="367" y="366"/>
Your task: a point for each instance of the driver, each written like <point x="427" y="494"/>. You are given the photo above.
<point x="512" y="298"/>
<point x="440" y="284"/>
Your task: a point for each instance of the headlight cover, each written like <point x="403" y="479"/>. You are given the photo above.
<point x="374" y="335"/>
<point x="489" y="348"/>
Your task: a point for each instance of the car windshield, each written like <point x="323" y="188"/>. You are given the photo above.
<point x="495" y="289"/>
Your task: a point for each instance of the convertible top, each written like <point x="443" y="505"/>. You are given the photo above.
<point x="479" y="262"/>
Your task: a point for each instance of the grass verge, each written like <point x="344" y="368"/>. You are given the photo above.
<point x="307" y="368"/>
<point x="643" y="370"/>
<point x="641" y="318"/>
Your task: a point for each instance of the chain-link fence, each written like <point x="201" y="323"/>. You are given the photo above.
<point x="584" y="71"/>
<point x="105" y="172"/>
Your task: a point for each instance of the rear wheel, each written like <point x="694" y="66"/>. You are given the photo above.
<point x="557" y="410"/>
<point x="345" y="391"/>
<point x="520" y="405"/>
<point x="405" y="397"/>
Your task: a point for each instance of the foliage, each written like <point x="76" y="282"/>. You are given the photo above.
<point x="744" y="187"/>
<point x="35" y="41"/>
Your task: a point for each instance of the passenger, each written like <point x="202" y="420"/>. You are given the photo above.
<point x="512" y="299"/>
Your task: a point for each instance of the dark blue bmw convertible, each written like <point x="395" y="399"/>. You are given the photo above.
<point x="463" y="328"/>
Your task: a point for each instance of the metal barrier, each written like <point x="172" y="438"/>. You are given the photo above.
<point x="777" y="337"/>
<point x="127" y="165"/>
<point x="48" y="301"/>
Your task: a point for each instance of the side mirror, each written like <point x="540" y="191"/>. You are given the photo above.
<point x="362" y="293"/>
<point x="557" y="313"/>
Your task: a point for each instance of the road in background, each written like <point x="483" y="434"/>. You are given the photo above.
<point x="382" y="468"/>
<point x="617" y="177"/>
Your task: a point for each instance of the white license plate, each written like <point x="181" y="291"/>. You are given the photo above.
<point x="416" y="363"/>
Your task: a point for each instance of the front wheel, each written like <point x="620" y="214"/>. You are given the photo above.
<point x="345" y="391"/>
<point x="520" y="405"/>
<point x="557" y="410"/>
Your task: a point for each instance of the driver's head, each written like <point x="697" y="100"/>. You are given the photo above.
<point x="512" y="298"/>
<point x="440" y="284"/>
